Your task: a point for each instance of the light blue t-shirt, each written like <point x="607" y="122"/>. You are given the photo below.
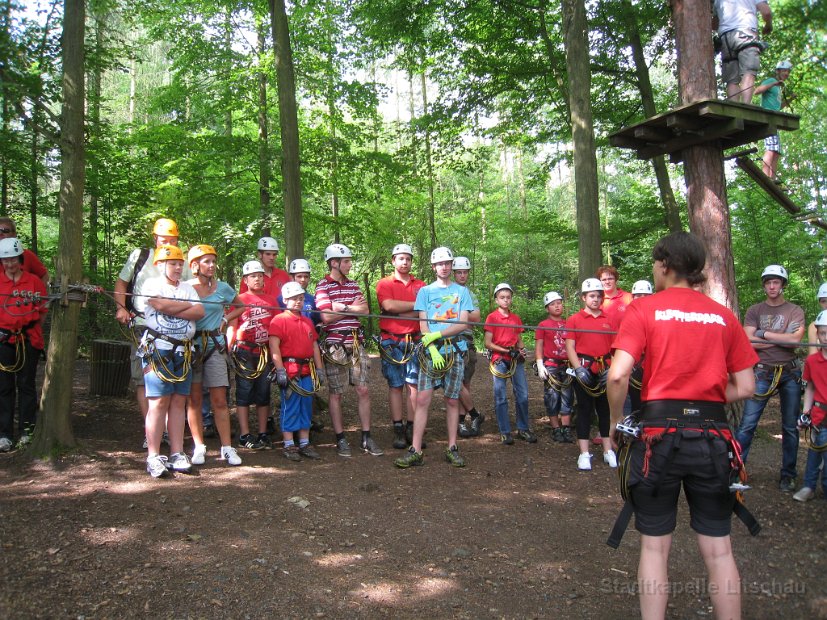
<point x="214" y="307"/>
<point x="444" y="303"/>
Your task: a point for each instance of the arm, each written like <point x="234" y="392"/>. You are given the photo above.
<point x="395" y="306"/>
<point x="192" y="311"/>
<point x="574" y="359"/>
<point x="765" y="87"/>
<point x="761" y="344"/>
<point x="741" y="385"/>
<point x="792" y="337"/>
<point x="618" y="384"/>
<point x="275" y="352"/>
<point x="809" y="397"/>
<point x="317" y="357"/>
<point x="766" y="15"/>
<point x="122" y="314"/>
<point x="232" y="332"/>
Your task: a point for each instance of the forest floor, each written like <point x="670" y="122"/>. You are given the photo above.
<point x="518" y="533"/>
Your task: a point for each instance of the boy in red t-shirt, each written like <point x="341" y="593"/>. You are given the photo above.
<point x="552" y="363"/>
<point x="815" y="406"/>
<point x="294" y="350"/>
<point x="508" y="362"/>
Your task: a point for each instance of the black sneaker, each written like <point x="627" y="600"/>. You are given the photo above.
<point x="476" y="425"/>
<point x="507" y="439"/>
<point x="370" y="447"/>
<point x="249" y="442"/>
<point x="527" y="436"/>
<point x="399" y="440"/>
<point x="557" y="435"/>
<point x="787" y="484"/>
<point x="308" y="452"/>
<point x="409" y="434"/>
<point x="567" y="438"/>
<point x="464" y="431"/>
<point x="264" y="440"/>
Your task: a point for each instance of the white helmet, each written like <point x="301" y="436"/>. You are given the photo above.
<point x="10" y="247"/>
<point x="550" y="297"/>
<point x="822" y="291"/>
<point x="268" y="244"/>
<point x="441" y="254"/>
<point x="590" y="285"/>
<point x="821" y="319"/>
<point x="784" y="64"/>
<point x="402" y="248"/>
<point x="774" y="271"/>
<point x="336" y="250"/>
<point x="462" y="263"/>
<point x="251" y="266"/>
<point x="503" y="286"/>
<point x="291" y="289"/>
<point x="642" y="287"/>
<point x="298" y="265"/>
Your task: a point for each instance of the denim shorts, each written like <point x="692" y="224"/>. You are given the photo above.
<point x="156" y="387"/>
<point x="398" y="375"/>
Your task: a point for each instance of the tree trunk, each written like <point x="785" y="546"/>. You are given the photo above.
<point x="703" y="164"/>
<point x="263" y="136"/>
<point x="289" y="124"/>
<point x="6" y="108"/>
<point x="54" y="431"/>
<point x="94" y="107"/>
<point x="334" y="148"/>
<point x="667" y="196"/>
<point x="576" y="33"/>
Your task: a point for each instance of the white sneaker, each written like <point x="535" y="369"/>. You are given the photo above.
<point x="229" y="454"/>
<point x="156" y="465"/>
<point x="804" y="494"/>
<point x="199" y="454"/>
<point x="584" y="461"/>
<point x="5" y="444"/>
<point x="179" y="462"/>
<point x="610" y="458"/>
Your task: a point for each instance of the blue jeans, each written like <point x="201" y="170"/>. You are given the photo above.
<point x="519" y="385"/>
<point x="789" y="393"/>
<point x="816" y="459"/>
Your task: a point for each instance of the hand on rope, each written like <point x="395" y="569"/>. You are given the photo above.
<point x="280" y="377"/>
<point x="436" y="357"/>
<point x="542" y="372"/>
<point x="584" y="376"/>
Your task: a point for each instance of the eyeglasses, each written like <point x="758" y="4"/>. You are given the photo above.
<point x="6" y="230"/>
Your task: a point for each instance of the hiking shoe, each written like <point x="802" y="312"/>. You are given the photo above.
<point x="271" y="426"/>
<point x="209" y="431"/>
<point x="453" y="457"/>
<point x="265" y="441"/>
<point x="527" y="436"/>
<point x="156" y="465"/>
<point x="199" y="454"/>
<point x="475" y="428"/>
<point x="464" y="431"/>
<point x="584" y="461"/>
<point x="399" y="440"/>
<point x="229" y="454"/>
<point x="370" y="447"/>
<point x="343" y="448"/>
<point x="291" y="453"/>
<point x="411" y="458"/>
<point x="179" y="462"/>
<point x="557" y="435"/>
<point x="787" y="484"/>
<point x="309" y="452"/>
<point x="507" y="439"/>
<point x="610" y="458"/>
<point x="805" y="494"/>
<point x="567" y="438"/>
<point x="409" y="434"/>
<point x="5" y="444"/>
<point x="249" y="442"/>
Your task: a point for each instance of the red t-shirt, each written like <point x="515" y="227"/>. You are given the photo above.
<point x="586" y="343"/>
<point x="391" y="287"/>
<point x="692" y="345"/>
<point x="296" y="336"/>
<point x="32" y="264"/>
<point x="272" y="283"/>
<point x="554" y="340"/>
<point x="815" y="373"/>
<point x="14" y="317"/>
<point x="503" y="336"/>
<point x="254" y="322"/>
<point x="615" y="306"/>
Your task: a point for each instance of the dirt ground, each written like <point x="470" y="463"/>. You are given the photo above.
<point x="518" y="533"/>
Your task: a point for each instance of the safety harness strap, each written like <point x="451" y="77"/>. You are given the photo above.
<point x="621" y="523"/>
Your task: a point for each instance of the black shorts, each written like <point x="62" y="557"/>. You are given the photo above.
<point x="693" y="467"/>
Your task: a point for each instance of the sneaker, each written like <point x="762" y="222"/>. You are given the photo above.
<point x="584" y="461"/>
<point x="271" y="426"/>
<point x="229" y="454"/>
<point x="464" y="431"/>
<point x="805" y="494"/>
<point x="179" y="462"/>
<point x="567" y="437"/>
<point x="249" y="442"/>
<point x="291" y="453"/>
<point x="209" y="431"/>
<point x="265" y="441"/>
<point x="409" y="434"/>
<point x="199" y="454"/>
<point x="787" y="484"/>
<point x="475" y="427"/>
<point x="5" y="444"/>
<point x="527" y="436"/>
<point x="507" y="439"/>
<point x="370" y="447"/>
<point x="610" y="458"/>
<point x="453" y="457"/>
<point x="411" y="458"/>
<point x="557" y="435"/>
<point x="399" y="441"/>
<point x="156" y="465"/>
<point x="146" y="443"/>
<point x="343" y="447"/>
<point x="309" y="452"/>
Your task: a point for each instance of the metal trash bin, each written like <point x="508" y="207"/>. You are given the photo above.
<point x="110" y="371"/>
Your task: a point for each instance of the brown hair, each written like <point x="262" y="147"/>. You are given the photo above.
<point x="684" y="254"/>
<point x="611" y="269"/>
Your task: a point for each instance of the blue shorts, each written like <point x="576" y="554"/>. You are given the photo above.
<point x="295" y="408"/>
<point x="170" y="365"/>
<point x="398" y="375"/>
<point x="256" y="391"/>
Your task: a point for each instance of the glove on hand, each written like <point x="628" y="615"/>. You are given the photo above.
<point x="584" y="376"/>
<point x="429" y="338"/>
<point x="542" y="372"/>
<point x="436" y="358"/>
<point x="281" y="378"/>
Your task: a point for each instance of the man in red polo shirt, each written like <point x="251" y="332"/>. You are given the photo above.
<point x="396" y="294"/>
<point x="274" y="278"/>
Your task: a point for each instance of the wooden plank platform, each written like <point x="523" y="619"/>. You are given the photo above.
<point x="732" y="124"/>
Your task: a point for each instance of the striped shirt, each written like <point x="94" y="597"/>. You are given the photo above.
<point x="346" y="292"/>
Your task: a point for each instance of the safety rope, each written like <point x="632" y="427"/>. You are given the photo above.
<point x="248" y="372"/>
<point x="19" y="353"/>
<point x="407" y="350"/>
<point x="423" y="357"/>
<point x="773" y="388"/>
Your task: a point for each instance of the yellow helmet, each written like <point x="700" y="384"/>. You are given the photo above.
<point x="197" y="251"/>
<point x="168" y="252"/>
<point x="165" y="228"/>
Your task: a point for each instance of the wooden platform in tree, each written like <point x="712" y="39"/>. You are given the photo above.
<point x="732" y="124"/>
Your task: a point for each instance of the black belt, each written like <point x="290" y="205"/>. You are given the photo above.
<point x="684" y="412"/>
<point x="557" y="363"/>
<point x="254" y="348"/>
<point x="786" y="365"/>
<point x="297" y="360"/>
<point x="159" y="336"/>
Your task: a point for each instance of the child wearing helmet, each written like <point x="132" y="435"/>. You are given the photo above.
<point x="773" y="98"/>
<point x="811" y="329"/>
<point x="552" y="362"/>
<point x="170" y="307"/>
<point x="274" y="278"/>
<point x="815" y="410"/>
<point x="294" y="351"/>
<point x="508" y="361"/>
<point x="23" y="308"/>
<point x="299" y="270"/>
<point x="247" y="338"/>
<point x="588" y="347"/>
<point x="31" y="262"/>
<point x="209" y="368"/>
